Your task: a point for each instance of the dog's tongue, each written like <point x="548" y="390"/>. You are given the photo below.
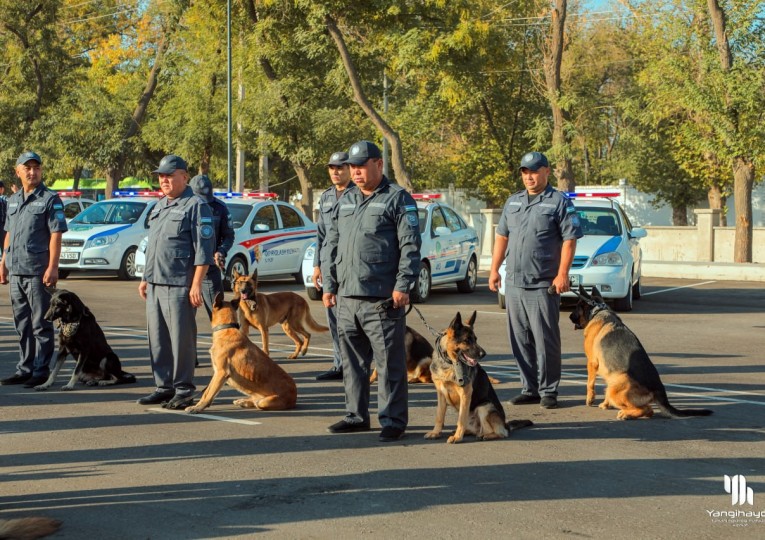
<point x="470" y="360"/>
<point x="244" y="296"/>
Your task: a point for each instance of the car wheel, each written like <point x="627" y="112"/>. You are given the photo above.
<point x="63" y="274"/>
<point x="421" y="290"/>
<point x="467" y="285"/>
<point x="501" y="300"/>
<point x="298" y="277"/>
<point x="127" y="266"/>
<point x="238" y="264"/>
<point x="637" y="290"/>
<point x="625" y="303"/>
<point x="313" y="293"/>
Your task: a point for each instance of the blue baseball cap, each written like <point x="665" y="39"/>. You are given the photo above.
<point x="202" y="186"/>
<point x="28" y="156"/>
<point x="360" y="152"/>
<point x="533" y="161"/>
<point x="338" y="159"/>
<point x="170" y="164"/>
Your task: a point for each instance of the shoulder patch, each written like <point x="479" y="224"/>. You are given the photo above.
<point x="206" y="220"/>
<point x="410" y="208"/>
<point x="570" y="209"/>
<point x="58" y="206"/>
<point x="206" y="231"/>
<point x="60" y="216"/>
<point x="413" y="219"/>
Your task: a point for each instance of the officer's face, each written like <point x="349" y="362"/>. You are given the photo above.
<point x="340" y="176"/>
<point x="174" y="183"/>
<point x="367" y="176"/>
<point x="535" y="181"/>
<point x="30" y="174"/>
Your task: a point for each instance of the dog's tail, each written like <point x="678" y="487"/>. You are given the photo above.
<point x="27" y="528"/>
<point x="312" y="324"/>
<point x="663" y="402"/>
<point x="515" y="425"/>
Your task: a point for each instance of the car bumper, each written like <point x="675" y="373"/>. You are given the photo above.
<point x="98" y="258"/>
<point x="611" y="281"/>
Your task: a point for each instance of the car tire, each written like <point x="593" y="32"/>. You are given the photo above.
<point x="468" y="284"/>
<point x="298" y="277"/>
<point x="313" y="293"/>
<point x="63" y="274"/>
<point x="637" y="290"/>
<point x="501" y="300"/>
<point x="238" y="264"/>
<point x="127" y="265"/>
<point x="625" y="303"/>
<point x="422" y="285"/>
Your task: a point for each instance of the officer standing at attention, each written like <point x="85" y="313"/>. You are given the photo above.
<point x="224" y="239"/>
<point x="179" y="251"/>
<point x="340" y="176"/>
<point x="371" y="257"/>
<point x="35" y="222"/>
<point x="537" y="235"/>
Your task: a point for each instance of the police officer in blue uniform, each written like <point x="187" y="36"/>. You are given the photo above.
<point x="224" y="239"/>
<point x="369" y="265"/>
<point x="179" y="251"/>
<point x="35" y="222"/>
<point x="339" y="175"/>
<point x="537" y="235"/>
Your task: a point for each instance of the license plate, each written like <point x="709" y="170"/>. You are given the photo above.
<point x="69" y="256"/>
<point x="574" y="279"/>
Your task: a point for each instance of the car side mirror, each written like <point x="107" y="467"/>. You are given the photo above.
<point x="442" y="231"/>
<point x="638" y="232"/>
<point x="261" y="227"/>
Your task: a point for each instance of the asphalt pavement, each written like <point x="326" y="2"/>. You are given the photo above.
<point x="110" y="468"/>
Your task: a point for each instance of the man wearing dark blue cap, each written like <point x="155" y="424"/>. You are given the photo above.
<point x="340" y="177"/>
<point x="369" y="264"/>
<point x="536" y="235"/>
<point x="178" y="254"/>
<point x="35" y="222"/>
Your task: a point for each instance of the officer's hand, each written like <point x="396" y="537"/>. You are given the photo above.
<point x="50" y="277"/>
<point x="329" y="299"/>
<point x="220" y="261"/>
<point x="142" y="289"/>
<point x="195" y="295"/>
<point x="3" y="274"/>
<point x="317" y="277"/>
<point x="400" y="299"/>
<point x="561" y="284"/>
<point x="494" y="281"/>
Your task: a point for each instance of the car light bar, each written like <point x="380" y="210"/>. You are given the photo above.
<point x="603" y="194"/>
<point x="138" y="194"/>
<point x="425" y="196"/>
<point x="69" y="193"/>
<point x="262" y="195"/>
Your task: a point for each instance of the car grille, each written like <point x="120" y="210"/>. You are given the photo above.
<point x="72" y="243"/>
<point x="579" y="262"/>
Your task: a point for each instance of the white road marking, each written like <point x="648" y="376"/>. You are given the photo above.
<point x="207" y="416"/>
<point x="677" y="288"/>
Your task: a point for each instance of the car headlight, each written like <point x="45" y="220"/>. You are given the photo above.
<point x="144" y="243"/>
<point x="310" y="252"/>
<point x="101" y="241"/>
<point x="608" y="259"/>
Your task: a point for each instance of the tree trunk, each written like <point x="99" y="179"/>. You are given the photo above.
<point x="743" y="181"/>
<point x="716" y="200"/>
<point x="679" y="215"/>
<point x="305" y="188"/>
<point x="397" y="153"/>
<point x="553" y="56"/>
<point x="76" y="174"/>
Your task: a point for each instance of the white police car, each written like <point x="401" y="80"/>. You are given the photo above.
<point x="449" y="252"/>
<point x="608" y="255"/>
<point x="268" y="234"/>
<point x="74" y="203"/>
<point x="105" y="236"/>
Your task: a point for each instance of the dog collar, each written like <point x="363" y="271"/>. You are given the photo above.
<point x="225" y="326"/>
<point x="68" y="329"/>
<point x="597" y="309"/>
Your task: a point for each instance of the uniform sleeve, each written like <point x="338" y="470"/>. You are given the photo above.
<point x="321" y="234"/>
<point x="409" y="242"/>
<point x="570" y="227"/>
<point x="329" y="253"/>
<point x="226" y="232"/>
<point x="55" y="215"/>
<point x="202" y="234"/>
<point x="502" y="228"/>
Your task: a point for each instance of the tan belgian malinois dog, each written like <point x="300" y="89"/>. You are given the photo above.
<point x="265" y="310"/>
<point x="238" y="361"/>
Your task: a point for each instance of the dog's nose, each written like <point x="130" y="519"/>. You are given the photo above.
<point x="481" y="352"/>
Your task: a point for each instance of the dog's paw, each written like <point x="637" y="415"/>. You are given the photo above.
<point x="292" y="356"/>
<point x="193" y="409"/>
<point x="453" y="439"/>
<point x="590" y="401"/>
<point x="433" y="435"/>
<point x="604" y="405"/>
<point x="42" y="387"/>
<point x="67" y="387"/>
<point x="93" y="382"/>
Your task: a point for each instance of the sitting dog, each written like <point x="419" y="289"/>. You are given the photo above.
<point x="81" y="336"/>
<point x="265" y="310"/>
<point x="462" y="383"/>
<point x="419" y="354"/>
<point x="238" y="362"/>
<point x="616" y="354"/>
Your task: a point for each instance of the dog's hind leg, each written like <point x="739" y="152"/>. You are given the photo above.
<point x="300" y="345"/>
<point x="274" y="403"/>
<point x="592" y="372"/>
<point x="62" y="354"/>
<point x="216" y="383"/>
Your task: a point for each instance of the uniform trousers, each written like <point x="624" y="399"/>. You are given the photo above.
<point x="532" y="325"/>
<point x="29" y="302"/>
<point x="212" y="284"/>
<point x="367" y="335"/>
<point x="172" y="329"/>
<point x="337" y="362"/>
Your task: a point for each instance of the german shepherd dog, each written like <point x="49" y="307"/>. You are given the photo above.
<point x="240" y="363"/>
<point x="265" y="310"/>
<point x="81" y="336"/>
<point x="419" y="354"/>
<point x="462" y="383"/>
<point x="27" y="528"/>
<point x="616" y="354"/>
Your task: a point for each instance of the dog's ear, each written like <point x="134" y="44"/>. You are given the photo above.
<point x="456" y="321"/>
<point x="471" y="320"/>
<point x="218" y="300"/>
<point x="234" y="274"/>
<point x="583" y="292"/>
<point x="596" y="294"/>
<point x="235" y="302"/>
<point x="255" y="275"/>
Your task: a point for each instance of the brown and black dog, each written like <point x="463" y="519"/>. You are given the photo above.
<point x="81" y="336"/>
<point x="462" y="383"/>
<point x="265" y="310"/>
<point x="616" y="354"/>
<point x="419" y="354"/>
<point x="240" y="363"/>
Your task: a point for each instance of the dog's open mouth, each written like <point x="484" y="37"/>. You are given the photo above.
<point x="466" y="359"/>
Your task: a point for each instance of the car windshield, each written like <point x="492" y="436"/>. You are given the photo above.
<point x="239" y="213"/>
<point x="599" y="221"/>
<point x="115" y="212"/>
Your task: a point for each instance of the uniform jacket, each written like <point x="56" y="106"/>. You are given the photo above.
<point x="327" y="202"/>
<point x="30" y="223"/>
<point x="181" y="236"/>
<point x="373" y="243"/>
<point x="535" y="234"/>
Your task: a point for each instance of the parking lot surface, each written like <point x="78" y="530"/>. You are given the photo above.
<point x="110" y="468"/>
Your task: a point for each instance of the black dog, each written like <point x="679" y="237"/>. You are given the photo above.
<point x="82" y="337"/>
